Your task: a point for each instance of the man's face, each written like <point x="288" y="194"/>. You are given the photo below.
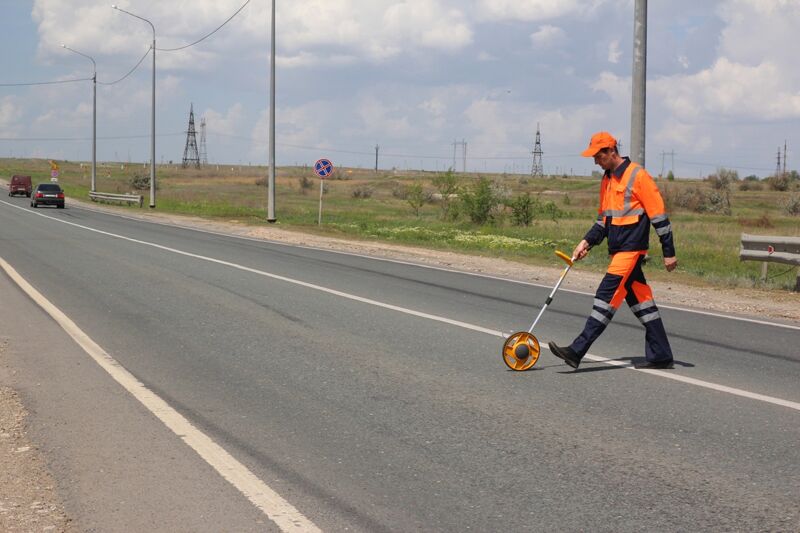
<point x="605" y="159"/>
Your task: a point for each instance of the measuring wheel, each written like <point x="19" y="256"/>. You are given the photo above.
<point x="520" y="351"/>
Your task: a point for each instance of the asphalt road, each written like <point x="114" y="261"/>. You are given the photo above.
<point x="370" y="394"/>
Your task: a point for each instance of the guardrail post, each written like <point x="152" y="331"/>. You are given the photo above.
<point x="772" y="249"/>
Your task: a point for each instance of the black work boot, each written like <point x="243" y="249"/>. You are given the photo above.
<point x="567" y="354"/>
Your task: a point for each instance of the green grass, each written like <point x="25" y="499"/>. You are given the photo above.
<point x="707" y="244"/>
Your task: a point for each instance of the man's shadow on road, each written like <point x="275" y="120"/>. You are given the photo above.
<point x="600" y="366"/>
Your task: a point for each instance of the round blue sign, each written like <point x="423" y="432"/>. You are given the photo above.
<point x="323" y="168"/>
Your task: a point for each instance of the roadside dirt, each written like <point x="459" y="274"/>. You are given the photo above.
<point x="28" y="497"/>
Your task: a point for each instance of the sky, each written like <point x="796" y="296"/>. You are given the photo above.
<point x="419" y="79"/>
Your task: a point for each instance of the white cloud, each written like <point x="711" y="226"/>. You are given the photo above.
<point x="547" y="36"/>
<point x="730" y="90"/>
<point x="308" y="32"/>
<point x="10" y="113"/>
<point x="614" y="52"/>
<point x="528" y="10"/>
<point x="229" y="123"/>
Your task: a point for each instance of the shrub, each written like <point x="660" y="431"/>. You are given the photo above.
<point x="748" y="185"/>
<point x="670" y="176"/>
<point x="362" y="192"/>
<point x="140" y="182"/>
<point x="698" y="200"/>
<point x="522" y="210"/>
<point x="415" y="196"/>
<point x="305" y="184"/>
<point x="478" y="201"/>
<point x="722" y="179"/>
<point x="447" y="185"/>
<point x="792" y="205"/>
<point x="716" y="202"/>
<point x="552" y="211"/>
<point x="779" y="182"/>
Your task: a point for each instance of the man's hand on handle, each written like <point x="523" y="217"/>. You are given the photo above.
<point x="670" y="263"/>
<point x="581" y="250"/>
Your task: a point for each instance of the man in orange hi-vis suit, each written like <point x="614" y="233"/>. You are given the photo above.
<point x="629" y="203"/>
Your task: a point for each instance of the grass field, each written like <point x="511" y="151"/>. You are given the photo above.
<point x="363" y="204"/>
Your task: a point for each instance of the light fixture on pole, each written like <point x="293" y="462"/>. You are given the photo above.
<point x="94" y="115"/>
<point x="152" y="112"/>
<point x="271" y="180"/>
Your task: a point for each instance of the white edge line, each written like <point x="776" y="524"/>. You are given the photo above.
<point x="496" y="333"/>
<point x="262" y="496"/>
<point x="431" y="267"/>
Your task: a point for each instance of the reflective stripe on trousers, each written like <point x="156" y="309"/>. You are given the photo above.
<point x="625" y="280"/>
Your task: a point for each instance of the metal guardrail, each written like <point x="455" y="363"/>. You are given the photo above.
<point x="112" y="197"/>
<point x="771" y="249"/>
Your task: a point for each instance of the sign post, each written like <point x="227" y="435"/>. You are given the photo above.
<point x="53" y="171"/>
<point x="322" y="168"/>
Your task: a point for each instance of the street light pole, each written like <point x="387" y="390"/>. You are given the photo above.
<point x="152" y="112"/>
<point x="639" y="78"/>
<point x="94" y="115"/>
<point x="271" y="180"/>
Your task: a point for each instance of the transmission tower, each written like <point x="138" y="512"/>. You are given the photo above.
<point x="536" y="169"/>
<point x="203" y="153"/>
<point x="778" y="167"/>
<point x="190" y="156"/>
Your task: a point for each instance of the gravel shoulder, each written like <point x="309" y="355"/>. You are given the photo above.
<point x="28" y="494"/>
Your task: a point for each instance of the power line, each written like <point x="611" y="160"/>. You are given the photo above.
<point x="207" y="36"/>
<point x="113" y="137"/>
<point x="129" y="72"/>
<point x="42" y="82"/>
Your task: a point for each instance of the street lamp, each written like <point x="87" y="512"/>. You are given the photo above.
<point x="94" y="115"/>
<point x="152" y="112"/>
<point x="271" y="180"/>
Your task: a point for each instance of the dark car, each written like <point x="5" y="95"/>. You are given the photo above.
<point x="20" y="185"/>
<point x="47" y="194"/>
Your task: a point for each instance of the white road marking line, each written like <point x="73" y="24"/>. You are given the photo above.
<point x="473" y="327"/>
<point x="433" y="267"/>
<point x="285" y="516"/>
<point x="698" y="382"/>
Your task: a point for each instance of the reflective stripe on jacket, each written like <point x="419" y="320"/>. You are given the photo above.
<point x="629" y="203"/>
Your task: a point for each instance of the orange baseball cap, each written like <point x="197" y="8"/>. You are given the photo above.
<point x="599" y="141"/>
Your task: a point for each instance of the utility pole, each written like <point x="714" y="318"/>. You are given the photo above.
<point x="672" y="164"/>
<point x="376" y="158"/>
<point x="463" y="145"/>
<point x="638" y="107"/>
<point x="778" y="166"/>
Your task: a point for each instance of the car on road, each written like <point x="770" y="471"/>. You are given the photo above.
<point x="48" y="194"/>
<point x="20" y="185"/>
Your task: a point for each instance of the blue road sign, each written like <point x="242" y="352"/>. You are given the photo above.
<point x="323" y="168"/>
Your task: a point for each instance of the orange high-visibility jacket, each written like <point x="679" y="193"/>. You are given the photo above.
<point x="629" y="203"/>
